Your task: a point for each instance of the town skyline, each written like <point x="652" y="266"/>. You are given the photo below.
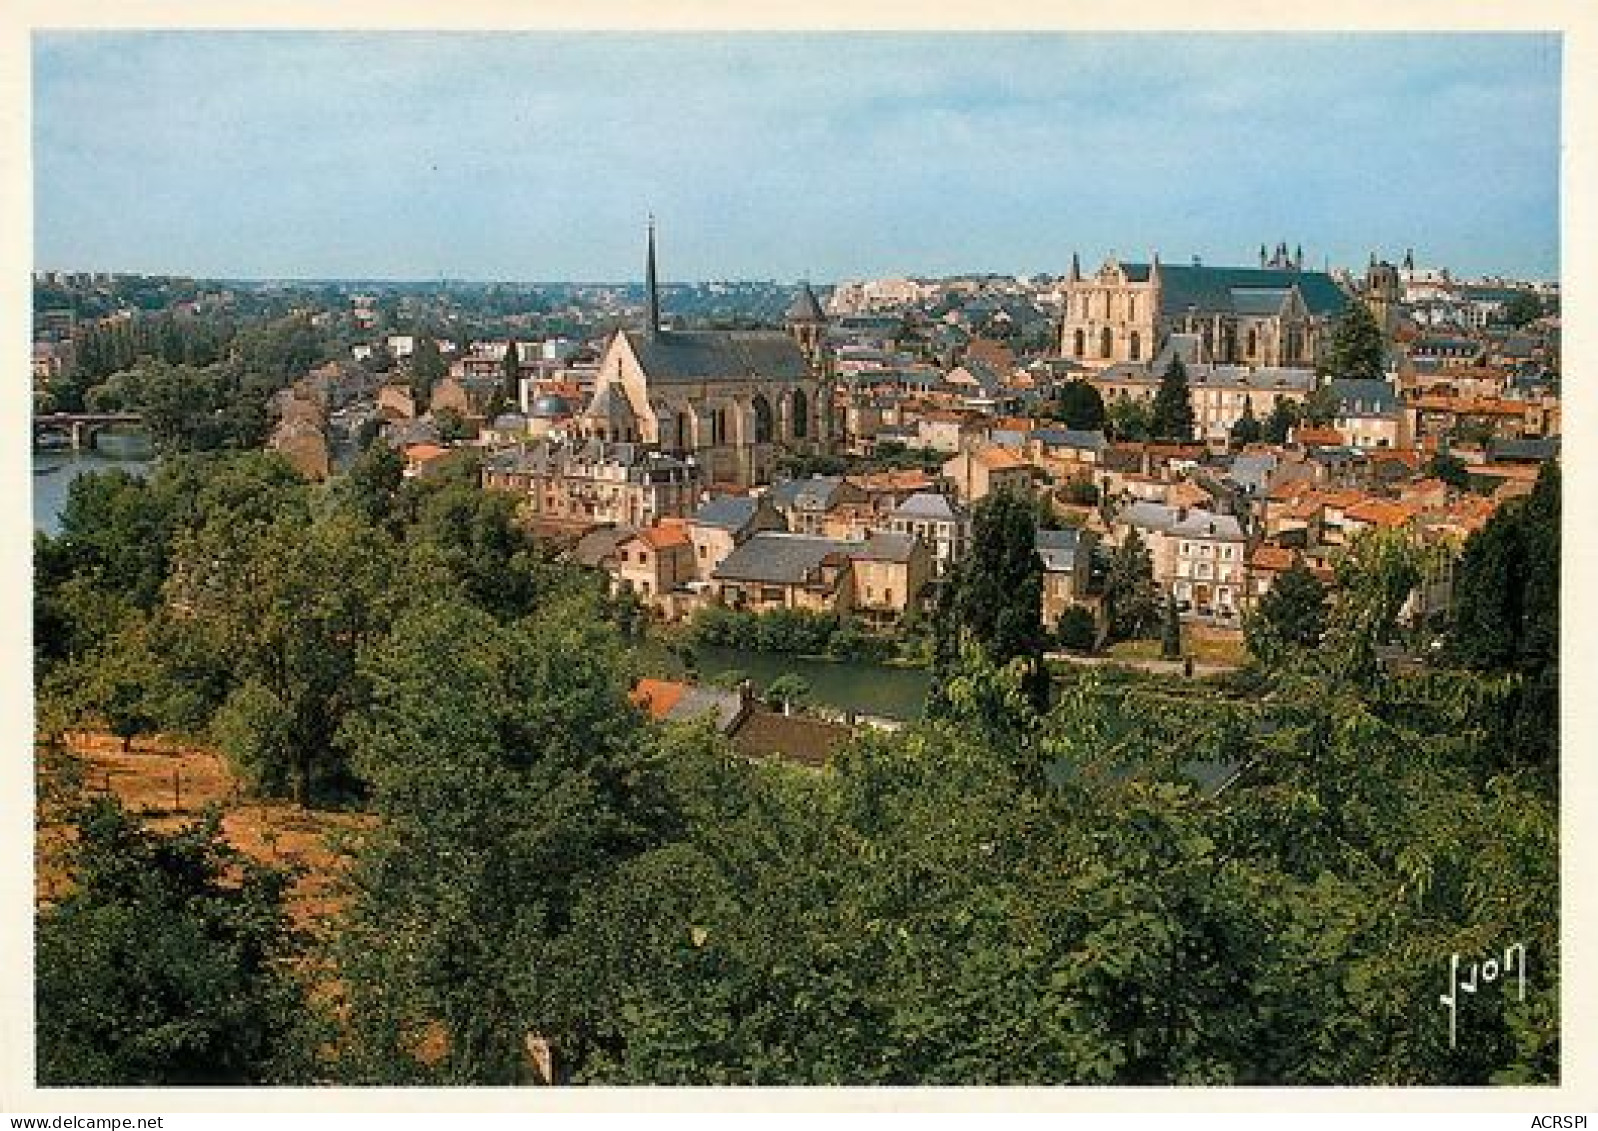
<point x="847" y="151"/>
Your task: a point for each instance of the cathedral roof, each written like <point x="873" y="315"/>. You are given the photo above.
<point x="727" y="355"/>
<point x="1217" y="289"/>
<point x="1265" y="301"/>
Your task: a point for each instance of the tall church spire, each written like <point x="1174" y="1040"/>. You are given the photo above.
<point x="651" y="284"/>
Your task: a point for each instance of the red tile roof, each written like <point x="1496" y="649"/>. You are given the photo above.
<point x="657" y="696"/>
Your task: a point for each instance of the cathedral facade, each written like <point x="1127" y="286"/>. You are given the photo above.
<point x="1275" y="315"/>
<point x="733" y="400"/>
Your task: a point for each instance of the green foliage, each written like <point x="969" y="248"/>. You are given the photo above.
<point x="1076" y="631"/>
<point x="290" y="605"/>
<point x="1131" y="419"/>
<point x="1284" y="417"/>
<point x="511" y="781"/>
<point x="1376" y="576"/>
<point x="371" y="487"/>
<point x="1292" y="614"/>
<point x="1247" y="430"/>
<point x="511" y="367"/>
<point x="1357" y="350"/>
<point x="1082" y="492"/>
<point x="1320" y="407"/>
<point x="452" y="426"/>
<point x="1450" y="469"/>
<point x="165" y="964"/>
<point x="1131" y="596"/>
<point x="1522" y="310"/>
<point x="1077" y="404"/>
<point x="427" y="369"/>
<point x="789" y="692"/>
<point x="1506" y="614"/>
<point x="1172" y="416"/>
<point x="791" y="631"/>
<point x="994" y="597"/>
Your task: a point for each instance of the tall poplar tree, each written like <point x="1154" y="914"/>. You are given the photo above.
<point x="1173" y="406"/>
<point x="995" y="597"/>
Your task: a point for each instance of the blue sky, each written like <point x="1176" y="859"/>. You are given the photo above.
<point x="537" y="156"/>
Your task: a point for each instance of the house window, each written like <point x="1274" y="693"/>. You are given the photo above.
<point x="1104" y="341"/>
<point x="1136" y="347"/>
<point x="1081" y="344"/>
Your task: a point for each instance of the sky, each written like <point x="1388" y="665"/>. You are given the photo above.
<point x="538" y="156"/>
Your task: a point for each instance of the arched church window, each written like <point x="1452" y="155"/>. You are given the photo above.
<point x="765" y="427"/>
<point x="801" y="414"/>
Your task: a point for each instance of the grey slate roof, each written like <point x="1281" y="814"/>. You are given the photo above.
<point x="1253" y="471"/>
<point x="610" y="404"/>
<point x="726" y="355"/>
<point x="595" y="546"/>
<point x="1260" y="301"/>
<point x="1530" y="448"/>
<point x="1059" y="549"/>
<point x="727" y="512"/>
<point x="1361" y="397"/>
<point x="725" y="707"/>
<point x="1213" y="288"/>
<point x="887" y="546"/>
<point x="927" y="506"/>
<point x="1074" y="438"/>
<point x="814" y="493"/>
<point x="780" y="558"/>
<point x="1149" y="516"/>
<point x="1205" y="524"/>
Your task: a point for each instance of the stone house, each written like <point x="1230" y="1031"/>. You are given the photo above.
<point x="891" y="572"/>
<point x="980" y="471"/>
<point x="778" y="570"/>
<point x="721" y="524"/>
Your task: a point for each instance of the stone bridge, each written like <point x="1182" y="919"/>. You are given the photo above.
<point x="80" y="428"/>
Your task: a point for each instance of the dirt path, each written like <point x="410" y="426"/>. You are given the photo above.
<point x="170" y="785"/>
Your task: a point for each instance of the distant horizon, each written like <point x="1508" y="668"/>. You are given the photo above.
<point x="306" y="280"/>
<point x="845" y="155"/>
